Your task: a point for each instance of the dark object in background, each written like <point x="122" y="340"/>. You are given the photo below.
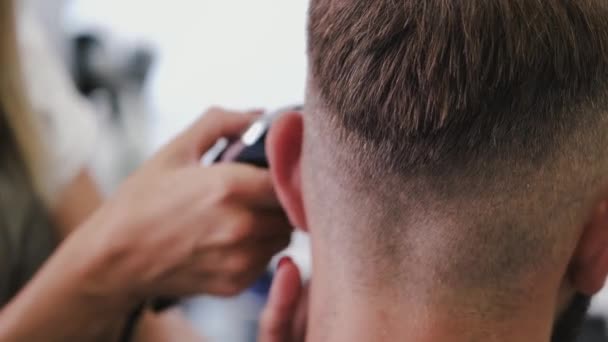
<point x="97" y="66"/>
<point x="84" y="47"/>
<point x="594" y="330"/>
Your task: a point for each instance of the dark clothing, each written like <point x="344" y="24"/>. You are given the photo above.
<point x="27" y="236"/>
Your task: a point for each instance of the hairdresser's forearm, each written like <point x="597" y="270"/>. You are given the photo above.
<point x="59" y="305"/>
<point x="76" y="203"/>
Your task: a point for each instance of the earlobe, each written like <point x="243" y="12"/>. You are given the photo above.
<point x="589" y="268"/>
<point x="284" y="150"/>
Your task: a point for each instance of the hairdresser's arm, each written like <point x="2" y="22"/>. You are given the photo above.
<point x="173" y="229"/>
<point x="76" y="203"/>
<point x="74" y="206"/>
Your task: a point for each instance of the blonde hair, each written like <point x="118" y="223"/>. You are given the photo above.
<point x="13" y="100"/>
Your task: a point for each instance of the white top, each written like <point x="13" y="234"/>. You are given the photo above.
<point x="67" y="121"/>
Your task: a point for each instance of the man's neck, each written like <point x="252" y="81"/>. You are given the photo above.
<point x="343" y="311"/>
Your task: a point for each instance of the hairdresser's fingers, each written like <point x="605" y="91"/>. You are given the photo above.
<point x="301" y="317"/>
<point x="248" y="227"/>
<point x="277" y="319"/>
<point x="271" y="225"/>
<point x="216" y="123"/>
<point x="241" y="258"/>
<point x="229" y="272"/>
<point x="245" y="184"/>
<point x="256" y="264"/>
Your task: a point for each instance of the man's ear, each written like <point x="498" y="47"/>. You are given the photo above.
<point x="284" y="151"/>
<point x="589" y="267"/>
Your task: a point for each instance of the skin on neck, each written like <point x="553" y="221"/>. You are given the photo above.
<point x="358" y="295"/>
<point x="345" y="309"/>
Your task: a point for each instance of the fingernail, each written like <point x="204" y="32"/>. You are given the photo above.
<point x="284" y="261"/>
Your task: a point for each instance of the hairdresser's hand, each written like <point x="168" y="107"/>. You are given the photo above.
<point x="285" y="317"/>
<point x="177" y="228"/>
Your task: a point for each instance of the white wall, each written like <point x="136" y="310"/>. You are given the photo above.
<point x="236" y="53"/>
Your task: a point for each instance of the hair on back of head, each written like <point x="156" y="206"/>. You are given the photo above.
<point x="450" y="80"/>
<point x="496" y="103"/>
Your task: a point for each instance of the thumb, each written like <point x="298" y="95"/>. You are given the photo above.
<point x="215" y="124"/>
<point x="277" y="321"/>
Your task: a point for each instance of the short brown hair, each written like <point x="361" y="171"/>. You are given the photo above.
<point x="502" y="103"/>
<point x="448" y="80"/>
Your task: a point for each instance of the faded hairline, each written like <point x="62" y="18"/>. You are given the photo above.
<point x="463" y="140"/>
<point x="501" y="220"/>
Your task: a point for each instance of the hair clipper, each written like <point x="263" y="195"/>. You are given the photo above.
<point x="250" y="148"/>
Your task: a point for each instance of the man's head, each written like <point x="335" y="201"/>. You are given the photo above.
<point x="455" y="146"/>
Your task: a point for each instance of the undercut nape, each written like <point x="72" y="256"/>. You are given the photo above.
<point x="467" y="134"/>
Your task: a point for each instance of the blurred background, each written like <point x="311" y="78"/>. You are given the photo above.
<point x="183" y="56"/>
<point x="146" y="69"/>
